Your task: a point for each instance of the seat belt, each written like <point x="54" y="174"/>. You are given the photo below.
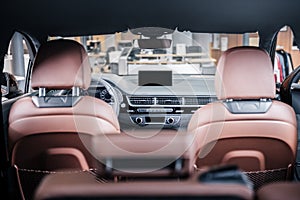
<point x="8" y="181"/>
<point x="7" y="173"/>
<point x="4" y="163"/>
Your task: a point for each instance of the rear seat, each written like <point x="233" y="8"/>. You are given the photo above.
<point x="87" y="186"/>
<point x="279" y="191"/>
<point x="159" y="155"/>
<point x="124" y="173"/>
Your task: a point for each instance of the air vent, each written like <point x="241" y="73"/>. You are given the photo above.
<point x="168" y="101"/>
<point x="171" y="100"/>
<point x="198" y="100"/>
<point x="141" y="100"/>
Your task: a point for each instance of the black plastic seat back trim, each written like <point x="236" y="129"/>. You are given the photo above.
<point x="55" y="101"/>
<point x="248" y="106"/>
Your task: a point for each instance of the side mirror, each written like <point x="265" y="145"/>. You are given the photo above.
<point x="5" y="84"/>
<point x="9" y="86"/>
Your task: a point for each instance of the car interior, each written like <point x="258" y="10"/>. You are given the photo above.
<point x="195" y="99"/>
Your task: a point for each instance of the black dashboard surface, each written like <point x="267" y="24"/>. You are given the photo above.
<point x="183" y="85"/>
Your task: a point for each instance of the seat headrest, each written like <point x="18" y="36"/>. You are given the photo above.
<point x="61" y="64"/>
<point x="245" y="73"/>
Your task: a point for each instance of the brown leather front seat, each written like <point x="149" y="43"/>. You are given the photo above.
<point x="50" y="132"/>
<point x="246" y="126"/>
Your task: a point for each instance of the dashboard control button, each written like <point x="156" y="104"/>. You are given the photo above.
<point x="170" y="120"/>
<point x="123" y="105"/>
<point x="139" y="120"/>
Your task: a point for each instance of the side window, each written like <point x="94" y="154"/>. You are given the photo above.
<point x="15" y="67"/>
<point x="287" y="56"/>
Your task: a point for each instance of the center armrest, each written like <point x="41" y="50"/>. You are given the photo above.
<point x="161" y="154"/>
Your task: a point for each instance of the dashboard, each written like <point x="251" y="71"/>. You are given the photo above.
<point x="102" y="93"/>
<point x="150" y="107"/>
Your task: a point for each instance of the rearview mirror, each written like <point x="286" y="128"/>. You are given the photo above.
<point x="153" y="38"/>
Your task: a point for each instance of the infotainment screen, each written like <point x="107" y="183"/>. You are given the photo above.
<point x="155" y="78"/>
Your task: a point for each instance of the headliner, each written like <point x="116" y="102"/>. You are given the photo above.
<point x="86" y="17"/>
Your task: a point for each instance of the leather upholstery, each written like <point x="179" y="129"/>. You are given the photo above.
<point x="250" y="140"/>
<point x="55" y="138"/>
<point x="154" y="154"/>
<point x="278" y="191"/>
<point x="86" y="186"/>
<point x="90" y="115"/>
<point x="244" y="73"/>
<point x="56" y="127"/>
<point x="61" y="64"/>
<point x="220" y="132"/>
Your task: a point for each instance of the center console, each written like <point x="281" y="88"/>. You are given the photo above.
<point x="163" y="111"/>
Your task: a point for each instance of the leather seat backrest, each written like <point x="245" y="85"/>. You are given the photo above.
<point x="49" y="132"/>
<point x="246" y="127"/>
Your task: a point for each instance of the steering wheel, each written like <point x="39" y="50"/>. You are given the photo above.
<point x="115" y="96"/>
<point x="289" y="90"/>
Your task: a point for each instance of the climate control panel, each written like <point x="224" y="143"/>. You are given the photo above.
<point x="143" y="120"/>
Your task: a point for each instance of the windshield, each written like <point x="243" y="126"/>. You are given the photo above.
<point x="158" y="49"/>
